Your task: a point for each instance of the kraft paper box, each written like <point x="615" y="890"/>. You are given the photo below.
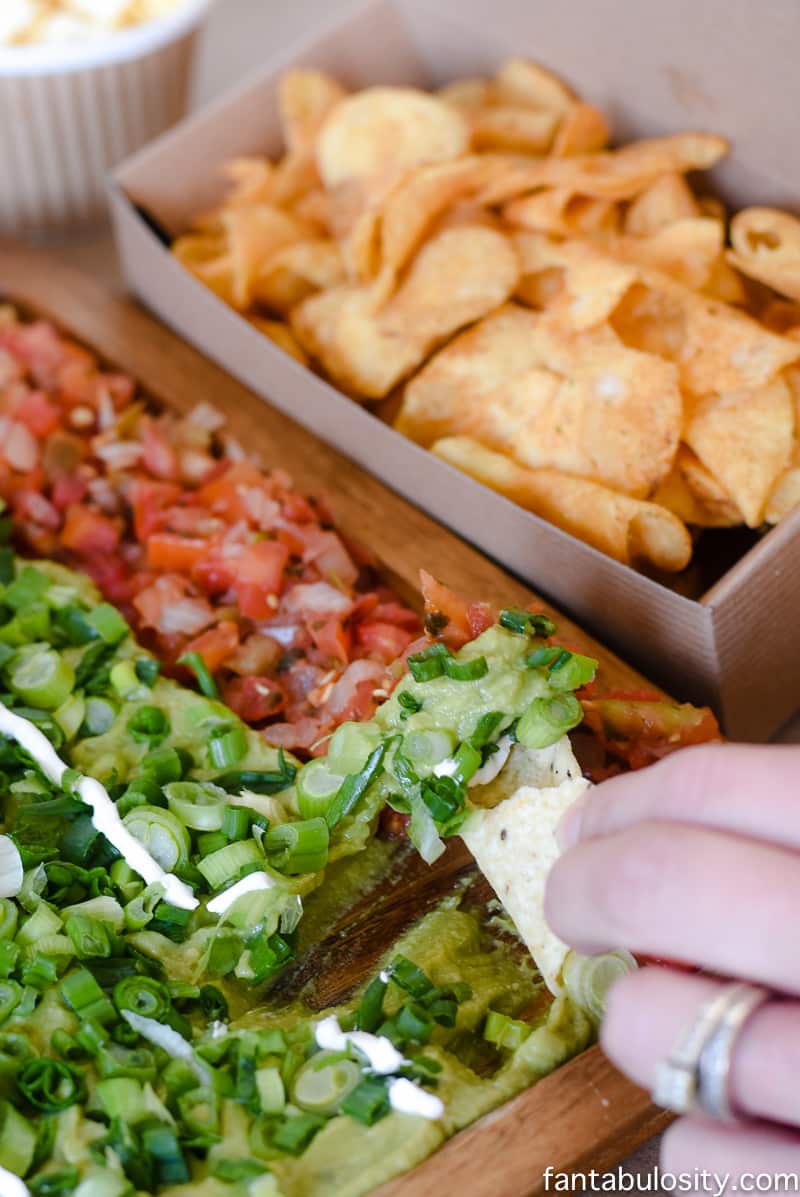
<point x="655" y="68"/>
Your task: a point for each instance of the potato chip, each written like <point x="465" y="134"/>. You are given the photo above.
<point x="305" y="97"/>
<point x="584" y="130"/>
<point x="297" y="271"/>
<point x="681" y="492"/>
<point x="388" y="129"/>
<point x="717" y="348"/>
<point x="726" y="284"/>
<point x="281" y="335"/>
<point x="766" y="246"/>
<point x="786" y="495"/>
<point x="454" y="279"/>
<point x="593" y="283"/>
<point x="513" y="128"/>
<point x="630" y="530"/>
<point x="616" y="174"/>
<point x="253" y="181"/>
<point x="745" y="438"/>
<point x="781" y="316"/>
<point x="580" y="403"/>
<point x="666" y="200"/>
<point x="522" y="82"/>
<point x="466" y="93"/>
<point x="254" y="234"/>
<point x="686" y="250"/>
<point x="557" y="210"/>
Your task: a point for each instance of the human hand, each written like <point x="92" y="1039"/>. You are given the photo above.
<point x="697" y="859"/>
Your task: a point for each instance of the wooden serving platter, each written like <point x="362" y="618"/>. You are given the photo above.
<point x="585" y="1115"/>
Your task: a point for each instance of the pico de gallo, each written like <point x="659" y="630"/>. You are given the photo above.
<point x="230" y="575"/>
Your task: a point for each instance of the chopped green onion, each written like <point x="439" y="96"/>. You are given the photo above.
<point x="17" y="1140"/>
<point x="413" y="1023"/>
<point x="199" y="1110"/>
<point x="124" y="681"/>
<point x="544" y="655"/>
<point x="29" y="585"/>
<point x="160" y="1142"/>
<point x="570" y="671"/>
<point x="294" y="1135"/>
<point x="587" y="979"/>
<point x="259" y="781"/>
<point x="324" y="1081"/>
<point x="91" y="669"/>
<point x="525" y="623"/>
<point x="62" y="1183"/>
<point x="227" y="746"/>
<point x="505" y="1032"/>
<point x="409" y="703"/>
<point x="224" y="866"/>
<point x="10" y="996"/>
<point x="142" y="995"/>
<point x="90" y="936"/>
<point x="108" y="623"/>
<point x="370" y="1009"/>
<point x="81" y="992"/>
<point x="271" y="1091"/>
<point x="428" y="664"/>
<point x="162" y="834"/>
<point x="100" y="716"/>
<point x="350" y="746"/>
<point x="317" y="786"/>
<point x="468" y="762"/>
<point x="51" y="1085"/>
<point x="73" y="623"/>
<point x="147" y="670"/>
<point x="298" y="847"/>
<point x="15" y="1052"/>
<point x="44" y="921"/>
<point x="368" y="1102"/>
<point x="205" y="681"/>
<point x="34" y="621"/>
<point x="164" y="765"/>
<point x="149" y="725"/>
<point x="69" y="716"/>
<point x="410" y="977"/>
<point x="465" y="670"/>
<point x="9" y="916"/>
<point x="428" y="748"/>
<point x="485" y="728"/>
<point x="45" y="679"/>
<point x="199" y="806"/>
<point x="236" y="822"/>
<point x="355" y="785"/>
<point x="548" y="719"/>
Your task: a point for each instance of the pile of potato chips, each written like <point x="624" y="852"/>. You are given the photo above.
<point x="560" y="320"/>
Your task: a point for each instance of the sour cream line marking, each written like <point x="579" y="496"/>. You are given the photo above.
<point x="384" y="1059"/>
<point x="11" y="1185"/>
<point x="104" y="813"/>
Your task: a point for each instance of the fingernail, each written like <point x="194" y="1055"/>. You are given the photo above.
<point x="568" y="831"/>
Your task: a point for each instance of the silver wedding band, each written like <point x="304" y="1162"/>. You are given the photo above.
<point x="696" y="1074"/>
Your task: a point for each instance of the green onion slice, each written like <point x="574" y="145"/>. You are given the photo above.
<point x="324" y="1081"/>
<point x="162" y="834"/>
<point x="44" y="679"/>
<point x="548" y="719"/>
<point x="205" y="681"/>
<point x="51" y="1085"/>
<point x="317" y="786"/>
<point x="199" y="806"/>
<point x="587" y="979"/>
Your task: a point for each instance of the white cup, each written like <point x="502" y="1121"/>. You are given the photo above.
<point x="70" y="111"/>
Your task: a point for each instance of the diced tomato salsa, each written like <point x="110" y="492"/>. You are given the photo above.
<point x="202" y="550"/>
<point x="206" y="552"/>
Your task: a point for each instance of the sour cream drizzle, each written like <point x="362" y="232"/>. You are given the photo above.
<point x="11" y="1185"/>
<point x="104" y="813"/>
<point x="250" y="884"/>
<point x="384" y="1059"/>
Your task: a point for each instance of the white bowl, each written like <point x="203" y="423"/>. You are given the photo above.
<point x="69" y="111"/>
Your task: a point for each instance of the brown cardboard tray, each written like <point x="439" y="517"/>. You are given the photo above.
<point x="734" y="643"/>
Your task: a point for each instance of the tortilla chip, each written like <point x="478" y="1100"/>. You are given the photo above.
<point x="666" y="200"/>
<point x="305" y="97"/>
<point x="281" y="335"/>
<point x="297" y="271"/>
<point x="368" y="347"/>
<point x="630" y="530"/>
<point x="691" y="493"/>
<point x="388" y="129"/>
<point x="584" y="130"/>
<point x="766" y="247"/>
<point x="515" y="846"/>
<point x="578" y="402"/>
<point x="745" y="438"/>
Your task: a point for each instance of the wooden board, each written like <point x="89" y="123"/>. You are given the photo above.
<point x="585" y="1115"/>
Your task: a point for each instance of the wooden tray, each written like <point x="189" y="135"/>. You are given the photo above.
<point x="584" y="1115"/>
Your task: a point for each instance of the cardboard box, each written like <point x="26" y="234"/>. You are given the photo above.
<point x="655" y="68"/>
